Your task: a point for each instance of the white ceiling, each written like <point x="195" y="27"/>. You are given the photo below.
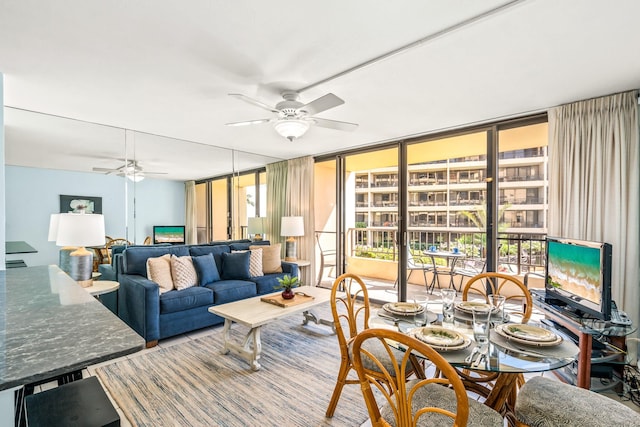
<point x="164" y="69"/>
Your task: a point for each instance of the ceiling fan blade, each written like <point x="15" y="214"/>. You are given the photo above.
<point x="104" y="170"/>
<point x="335" y="124"/>
<point x="248" y="122"/>
<point x="255" y="102"/>
<point x="321" y="104"/>
<point x="152" y="173"/>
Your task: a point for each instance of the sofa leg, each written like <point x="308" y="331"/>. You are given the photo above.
<point x="152" y="343"/>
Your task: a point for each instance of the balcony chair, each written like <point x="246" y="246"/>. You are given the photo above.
<point x="418" y="402"/>
<point x="413" y="265"/>
<point x="543" y="402"/>
<point x="350" y="316"/>
<point x="327" y="259"/>
<point x="471" y="268"/>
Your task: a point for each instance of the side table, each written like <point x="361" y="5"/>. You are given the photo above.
<point x="101" y="287"/>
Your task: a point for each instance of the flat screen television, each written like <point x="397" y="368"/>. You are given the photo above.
<point x="578" y="273"/>
<point x="173" y="234"/>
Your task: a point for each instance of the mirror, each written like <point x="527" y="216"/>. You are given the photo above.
<point x="47" y="156"/>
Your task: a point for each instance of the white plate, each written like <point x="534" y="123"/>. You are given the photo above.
<point x="529" y="332"/>
<point x="403" y="308"/>
<point x="468" y="306"/>
<point x="441" y="339"/>
<point x="439" y="336"/>
<point x="500" y="330"/>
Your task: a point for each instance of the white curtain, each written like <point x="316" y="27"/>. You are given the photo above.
<point x="191" y="218"/>
<point x="593" y="184"/>
<point x="300" y="203"/>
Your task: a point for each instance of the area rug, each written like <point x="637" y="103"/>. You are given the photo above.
<point x="193" y="384"/>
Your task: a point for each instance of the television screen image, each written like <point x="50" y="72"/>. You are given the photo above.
<point x="579" y="274"/>
<point x="575" y="269"/>
<point x="174" y="234"/>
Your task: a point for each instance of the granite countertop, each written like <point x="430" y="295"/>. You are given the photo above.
<point x="50" y="326"/>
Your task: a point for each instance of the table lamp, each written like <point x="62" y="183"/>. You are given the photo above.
<point x="256" y="227"/>
<point x="77" y="230"/>
<point x="290" y="227"/>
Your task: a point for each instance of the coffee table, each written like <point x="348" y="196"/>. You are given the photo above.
<point x="254" y="313"/>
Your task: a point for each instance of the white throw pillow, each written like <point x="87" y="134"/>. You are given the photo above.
<point x="159" y="271"/>
<point x="183" y="272"/>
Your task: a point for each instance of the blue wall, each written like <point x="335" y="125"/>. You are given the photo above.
<point x="33" y="194"/>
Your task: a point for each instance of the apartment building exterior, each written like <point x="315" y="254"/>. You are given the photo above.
<point x="443" y="195"/>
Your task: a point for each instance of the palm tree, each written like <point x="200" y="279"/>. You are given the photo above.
<point x="479" y="218"/>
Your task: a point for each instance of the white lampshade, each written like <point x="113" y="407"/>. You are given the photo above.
<point x="256" y="226"/>
<point x="53" y="227"/>
<point x="292" y="226"/>
<point x="79" y="230"/>
<point x="291" y="128"/>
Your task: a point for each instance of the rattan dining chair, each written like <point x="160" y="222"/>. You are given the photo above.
<point x="434" y="402"/>
<point x="114" y="242"/>
<point x="502" y="284"/>
<point x="350" y="309"/>
<point x="513" y="290"/>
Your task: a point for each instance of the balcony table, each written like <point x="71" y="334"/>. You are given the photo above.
<point x="451" y="260"/>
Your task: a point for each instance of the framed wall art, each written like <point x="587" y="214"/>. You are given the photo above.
<point x="77" y="204"/>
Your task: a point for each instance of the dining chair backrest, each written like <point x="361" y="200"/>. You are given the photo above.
<point x="502" y="284"/>
<point x="349" y="317"/>
<point x="114" y="242"/>
<point x="413" y="402"/>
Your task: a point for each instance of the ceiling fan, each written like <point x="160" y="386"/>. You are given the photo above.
<point x="130" y="169"/>
<point x="293" y="117"/>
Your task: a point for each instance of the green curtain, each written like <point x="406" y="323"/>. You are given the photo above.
<point x="276" y="200"/>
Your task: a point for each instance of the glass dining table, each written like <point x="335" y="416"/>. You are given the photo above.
<point x="501" y="362"/>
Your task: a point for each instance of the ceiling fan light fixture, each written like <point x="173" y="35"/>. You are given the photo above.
<point x="135" y="177"/>
<point x="291" y="128"/>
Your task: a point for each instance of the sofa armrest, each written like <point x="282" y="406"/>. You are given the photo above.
<point x="290" y="268"/>
<point x="139" y="305"/>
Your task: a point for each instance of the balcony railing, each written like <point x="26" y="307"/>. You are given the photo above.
<point x="518" y="253"/>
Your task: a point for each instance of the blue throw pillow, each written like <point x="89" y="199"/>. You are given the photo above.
<point x="206" y="268"/>
<point x="235" y="265"/>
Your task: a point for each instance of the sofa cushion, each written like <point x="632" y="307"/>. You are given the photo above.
<point x="135" y="258"/>
<point x="215" y="250"/>
<point x="226" y="291"/>
<point x="271" y="262"/>
<point x="183" y="272"/>
<point x="159" y="271"/>
<point x="255" y="263"/>
<point x="180" y="300"/>
<point x="206" y="268"/>
<point x="265" y="284"/>
<point x="235" y="265"/>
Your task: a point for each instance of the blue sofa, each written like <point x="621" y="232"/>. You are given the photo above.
<point x="157" y="316"/>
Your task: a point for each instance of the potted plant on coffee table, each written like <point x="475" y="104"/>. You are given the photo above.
<point x="287" y="283"/>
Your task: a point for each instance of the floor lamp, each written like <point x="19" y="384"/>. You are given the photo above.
<point x="77" y="230"/>
<point x="291" y="227"/>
